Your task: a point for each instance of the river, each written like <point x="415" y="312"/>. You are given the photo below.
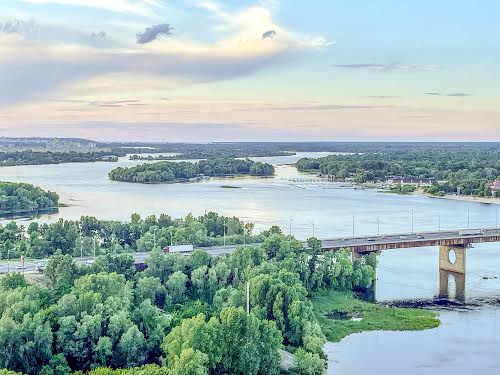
<point x="468" y="339"/>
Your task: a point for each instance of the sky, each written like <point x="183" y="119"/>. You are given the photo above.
<point x="242" y="70"/>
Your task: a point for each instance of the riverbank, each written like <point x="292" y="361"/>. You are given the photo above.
<point x="463" y="198"/>
<point x="341" y="314"/>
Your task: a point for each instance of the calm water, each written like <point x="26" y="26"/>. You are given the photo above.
<point x="467" y="339"/>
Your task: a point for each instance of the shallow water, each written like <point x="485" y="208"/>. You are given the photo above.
<point x="468" y="338"/>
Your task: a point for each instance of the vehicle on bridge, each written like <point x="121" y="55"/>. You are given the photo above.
<point x="178" y="249"/>
<point x="471" y="232"/>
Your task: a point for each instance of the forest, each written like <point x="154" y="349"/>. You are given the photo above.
<point x="168" y="172"/>
<point x="21" y="197"/>
<point x="466" y="171"/>
<point x="27" y="157"/>
<point x="81" y="237"/>
<point x="181" y="314"/>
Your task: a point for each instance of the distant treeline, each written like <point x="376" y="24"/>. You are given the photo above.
<point x="468" y="171"/>
<point x="165" y="172"/>
<point x="49" y="157"/>
<point x="20" y="197"/>
<point x="215" y="153"/>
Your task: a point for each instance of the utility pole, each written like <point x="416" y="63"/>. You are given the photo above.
<point x="496" y="218"/>
<point x="171" y="236"/>
<point x="290" y="226"/>
<point x="94" y="247"/>
<point x="313" y="227"/>
<point x="248" y="297"/>
<point x="224" y="233"/>
<point x="353" y="224"/>
<point x="412" y="227"/>
<point x="8" y="258"/>
<point x="81" y="245"/>
<point x="378" y="225"/>
<point x="154" y="238"/>
<point x="439" y="223"/>
<point x="468" y="218"/>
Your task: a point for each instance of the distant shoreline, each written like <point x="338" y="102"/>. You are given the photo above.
<point x="463" y="198"/>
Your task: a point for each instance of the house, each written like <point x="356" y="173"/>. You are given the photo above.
<point x="495" y="189"/>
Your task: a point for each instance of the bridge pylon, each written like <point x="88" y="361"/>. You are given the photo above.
<point x="452" y="258"/>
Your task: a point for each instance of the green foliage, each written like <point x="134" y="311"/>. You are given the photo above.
<point x="373" y="316"/>
<point x="21" y="197"/>
<point x="403" y="189"/>
<point x="13" y="281"/>
<point x="89" y="236"/>
<point x="162" y="172"/>
<point x="465" y="170"/>
<point x="308" y="363"/>
<point x="28" y="157"/>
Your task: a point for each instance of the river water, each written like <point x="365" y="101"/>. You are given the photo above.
<point x="469" y="337"/>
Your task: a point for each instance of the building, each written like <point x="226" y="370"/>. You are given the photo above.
<point x="495" y="189"/>
<point x="396" y="180"/>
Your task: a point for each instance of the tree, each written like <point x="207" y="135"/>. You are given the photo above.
<point x="176" y="287"/>
<point x="308" y="363"/>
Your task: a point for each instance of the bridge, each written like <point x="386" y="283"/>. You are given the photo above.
<point x="452" y="250"/>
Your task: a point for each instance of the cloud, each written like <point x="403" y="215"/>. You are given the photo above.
<point x="27" y="29"/>
<point x="99" y="35"/>
<point x="325" y="107"/>
<point x="387" y="67"/>
<point x="151" y="33"/>
<point x="452" y="94"/>
<point x="269" y="34"/>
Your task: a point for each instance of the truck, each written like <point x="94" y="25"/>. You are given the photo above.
<point x="178" y="249"/>
<point x="470" y="232"/>
<point x="41" y="266"/>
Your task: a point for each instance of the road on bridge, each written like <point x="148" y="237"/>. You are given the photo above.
<point x="363" y="242"/>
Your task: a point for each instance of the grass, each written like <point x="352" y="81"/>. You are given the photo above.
<point x="367" y="316"/>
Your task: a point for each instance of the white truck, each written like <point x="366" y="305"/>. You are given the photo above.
<point x="178" y="249"/>
<point x="470" y="232"/>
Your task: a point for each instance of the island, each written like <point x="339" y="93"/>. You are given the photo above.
<point x="170" y="172"/>
<point x="24" y="198"/>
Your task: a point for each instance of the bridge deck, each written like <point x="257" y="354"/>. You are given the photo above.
<point x="402" y="241"/>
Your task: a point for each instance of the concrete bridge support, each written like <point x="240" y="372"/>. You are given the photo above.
<point x="452" y="258"/>
<point x="452" y="264"/>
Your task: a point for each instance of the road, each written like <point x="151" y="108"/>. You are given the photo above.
<point x="365" y="243"/>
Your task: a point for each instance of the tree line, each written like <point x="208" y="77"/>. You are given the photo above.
<point x="28" y="157"/>
<point x="464" y="171"/>
<point x="180" y="315"/>
<point x="165" y="172"/>
<point x="22" y="197"/>
<point x="89" y="235"/>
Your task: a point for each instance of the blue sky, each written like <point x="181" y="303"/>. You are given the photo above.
<point x="250" y="70"/>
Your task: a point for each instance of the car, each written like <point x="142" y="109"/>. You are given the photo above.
<point x="89" y="262"/>
<point x="21" y="267"/>
<point x="371" y="239"/>
<point x="403" y="237"/>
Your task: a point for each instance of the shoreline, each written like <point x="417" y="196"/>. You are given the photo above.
<point x="463" y="198"/>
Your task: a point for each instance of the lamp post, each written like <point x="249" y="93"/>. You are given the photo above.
<point x="412" y="221"/>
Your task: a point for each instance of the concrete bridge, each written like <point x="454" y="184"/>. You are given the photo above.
<point x="452" y="250"/>
<point x="457" y="241"/>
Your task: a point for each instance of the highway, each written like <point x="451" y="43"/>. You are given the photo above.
<point x="360" y="243"/>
